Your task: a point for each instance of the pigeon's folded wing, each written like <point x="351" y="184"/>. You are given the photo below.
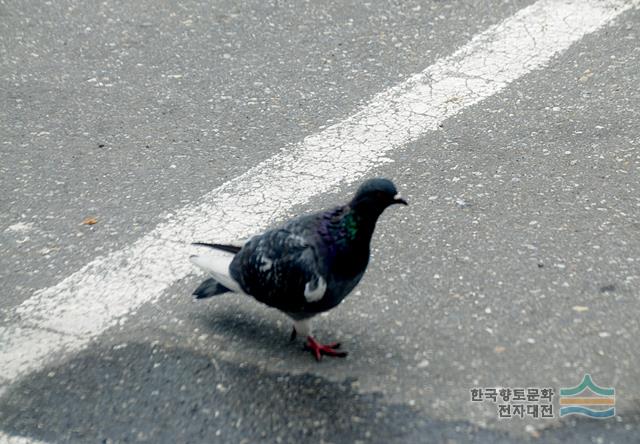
<point x="280" y="269"/>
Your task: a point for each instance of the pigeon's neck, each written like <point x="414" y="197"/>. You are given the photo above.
<point x="359" y="226"/>
<point x="348" y="235"/>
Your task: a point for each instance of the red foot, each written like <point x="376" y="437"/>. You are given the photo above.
<point x="327" y="349"/>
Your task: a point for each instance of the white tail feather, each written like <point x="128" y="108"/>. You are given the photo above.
<point x="216" y="263"/>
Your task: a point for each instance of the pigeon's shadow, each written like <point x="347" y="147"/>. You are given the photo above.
<point x="174" y="394"/>
<point x="243" y="327"/>
<point x="255" y="331"/>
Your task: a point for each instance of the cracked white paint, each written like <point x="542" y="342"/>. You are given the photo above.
<point x="66" y="317"/>
<point x="8" y="439"/>
<point x="19" y="227"/>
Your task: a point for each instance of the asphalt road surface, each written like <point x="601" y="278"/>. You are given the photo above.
<point x="516" y="265"/>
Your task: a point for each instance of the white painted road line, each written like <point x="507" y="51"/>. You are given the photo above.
<point x="8" y="439"/>
<point x="66" y="317"/>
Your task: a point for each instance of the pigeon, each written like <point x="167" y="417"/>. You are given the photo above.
<point x="304" y="267"/>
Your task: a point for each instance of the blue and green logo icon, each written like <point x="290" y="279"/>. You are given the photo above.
<point x="588" y="399"/>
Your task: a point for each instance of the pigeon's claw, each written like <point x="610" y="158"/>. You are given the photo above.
<point x="327" y="349"/>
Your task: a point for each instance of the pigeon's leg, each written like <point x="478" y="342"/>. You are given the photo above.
<point x="304" y="328"/>
<point x="324" y="349"/>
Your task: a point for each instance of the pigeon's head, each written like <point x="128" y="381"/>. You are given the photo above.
<point x="374" y="195"/>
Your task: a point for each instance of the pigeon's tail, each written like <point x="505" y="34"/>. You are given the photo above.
<point x="228" y="248"/>
<point x="209" y="288"/>
<point x="216" y="263"/>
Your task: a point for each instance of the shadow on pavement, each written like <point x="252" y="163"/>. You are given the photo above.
<point x="146" y="392"/>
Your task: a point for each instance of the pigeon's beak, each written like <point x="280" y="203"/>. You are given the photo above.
<point x="399" y="200"/>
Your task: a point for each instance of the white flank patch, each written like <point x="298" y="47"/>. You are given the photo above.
<point x="66" y="317"/>
<point x="317" y="293"/>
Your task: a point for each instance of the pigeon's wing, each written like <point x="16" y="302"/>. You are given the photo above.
<point x="281" y="269"/>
